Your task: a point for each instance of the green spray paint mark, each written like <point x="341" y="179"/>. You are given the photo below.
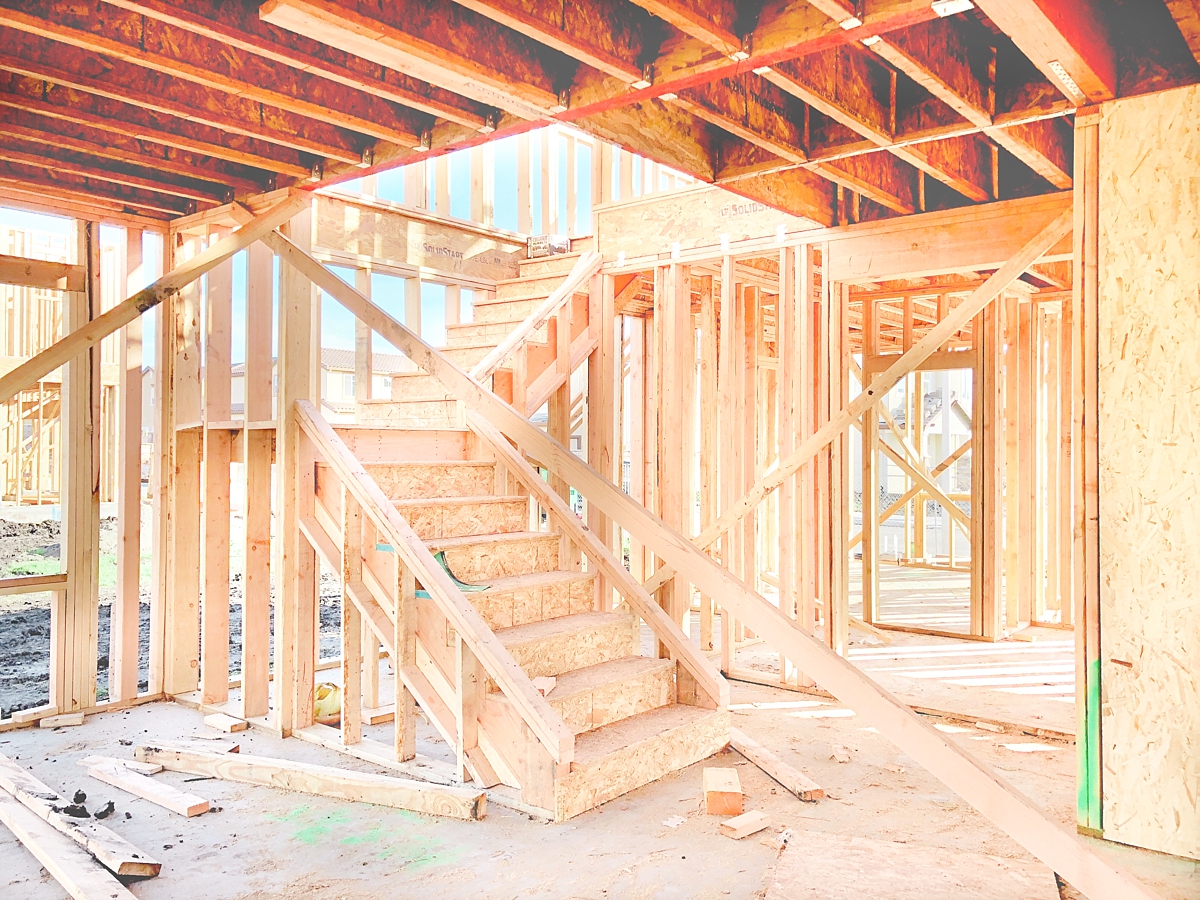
<point x="1087" y="753"/>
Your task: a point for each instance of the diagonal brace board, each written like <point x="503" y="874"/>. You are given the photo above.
<point x="974" y="781"/>
<point x="147" y="298"/>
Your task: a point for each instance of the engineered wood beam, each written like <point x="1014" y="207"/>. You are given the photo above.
<point x="1186" y="14"/>
<point x="98" y="27"/>
<point x="797" y="190"/>
<point x="90" y="189"/>
<point x="107" y="116"/>
<point x="752" y="109"/>
<point x="1067" y="39"/>
<point x="237" y="25"/>
<point x="670" y="135"/>
<point x="714" y="22"/>
<point x="440" y="42"/>
<point x="856" y="90"/>
<point x="226" y="180"/>
<point x="609" y="35"/>
<point x="957" y="61"/>
<point x="38" y="273"/>
<point x="881" y="177"/>
<point x="35" y="56"/>
<point x="68" y="162"/>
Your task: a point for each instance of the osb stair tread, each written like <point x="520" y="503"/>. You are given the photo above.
<point x="562" y="625"/>
<point x="508" y="583"/>
<point x="474" y="539"/>
<point x="589" y="678"/>
<point x="593" y="746"/>
<point x="415" y="463"/>
<point x="386" y="429"/>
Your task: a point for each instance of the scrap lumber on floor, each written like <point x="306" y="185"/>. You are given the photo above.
<point x="325" y="781"/>
<point x="61" y="721"/>
<point x="745" y="825"/>
<point x="71" y="866"/>
<point x="225" y="723"/>
<point x="722" y="792"/>
<point x="110" y="849"/>
<point x="139" y="785"/>
<point x="795" y="781"/>
<point x="132" y="764"/>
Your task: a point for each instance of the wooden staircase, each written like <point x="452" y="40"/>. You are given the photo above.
<point x="523" y="563"/>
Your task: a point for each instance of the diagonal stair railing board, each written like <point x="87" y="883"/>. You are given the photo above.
<point x="585" y="267"/>
<point x="1019" y="816"/>
<point x="499" y="664"/>
<point x="699" y="667"/>
<point x="79" y="340"/>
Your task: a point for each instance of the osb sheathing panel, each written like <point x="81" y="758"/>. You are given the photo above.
<point x="1149" y="425"/>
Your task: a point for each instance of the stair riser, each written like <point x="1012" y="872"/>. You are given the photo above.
<point x="479" y="563"/>
<point x="560" y="653"/>
<point x="485" y="333"/>
<point x="507" y="311"/>
<point x="466" y="357"/>
<point x="587" y="787"/>
<point x="548" y="265"/>
<point x="418" y="387"/>
<point x="529" y="284"/>
<point x="411" y="413"/>
<point x="617" y="700"/>
<point x="400" y="482"/>
<point x="508" y="609"/>
<point x="431" y="521"/>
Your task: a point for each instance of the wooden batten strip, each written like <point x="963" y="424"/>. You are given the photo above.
<point x="324" y="781"/>
<point x="164" y="795"/>
<point x="792" y="779"/>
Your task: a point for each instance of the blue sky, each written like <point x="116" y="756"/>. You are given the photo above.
<point x="337" y="329"/>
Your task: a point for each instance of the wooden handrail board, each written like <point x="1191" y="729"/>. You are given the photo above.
<point x="464" y="618"/>
<point x="963" y="773"/>
<point x="71" y="345"/>
<point x="585" y="267"/>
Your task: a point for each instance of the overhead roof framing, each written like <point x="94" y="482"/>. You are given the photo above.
<point x="835" y="110"/>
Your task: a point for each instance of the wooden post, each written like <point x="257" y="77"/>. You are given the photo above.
<point x="214" y="612"/>
<point x="412" y="303"/>
<point x="1063" y="460"/>
<point x="675" y="395"/>
<point x="405" y="658"/>
<point x="364" y="359"/>
<point x="1026" y="456"/>
<point x="601" y="394"/>
<point x="74" y="624"/>
<point x="126" y="606"/>
<point x="729" y="451"/>
<point x="709" y="463"/>
<point x="787" y="380"/>
<point x="295" y="611"/>
<point x="838" y="595"/>
<point x="870" y="475"/>
<point x="524" y="207"/>
<point x="352" y="626"/>
<point x="987" y="470"/>
<point x="637" y="437"/>
<point x="416" y="185"/>
<point x="182" y="596"/>
<point x="1012" y="462"/>
<point x="258" y="431"/>
<point x="804" y="548"/>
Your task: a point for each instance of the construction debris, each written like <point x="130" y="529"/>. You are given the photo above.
<point x="225" y="723"/>
<point x="722" y="792"/>
<point x="110" y="850"/>
<point x="62" y="721"/>
<point x="139" y="785"/>
<point x="745" y="825"/>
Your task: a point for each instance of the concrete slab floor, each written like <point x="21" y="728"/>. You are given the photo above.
<point x="265" y="843"/>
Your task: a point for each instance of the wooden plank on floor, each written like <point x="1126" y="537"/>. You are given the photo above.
<point x="164" y="795"/>
<point x="71" y="866"/>
<point x="792" y="779"/>
<point x="110" y="849"/>
<point x="324" y="781"/>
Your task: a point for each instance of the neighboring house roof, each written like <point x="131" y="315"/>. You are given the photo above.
<point x="339" y="360"/>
